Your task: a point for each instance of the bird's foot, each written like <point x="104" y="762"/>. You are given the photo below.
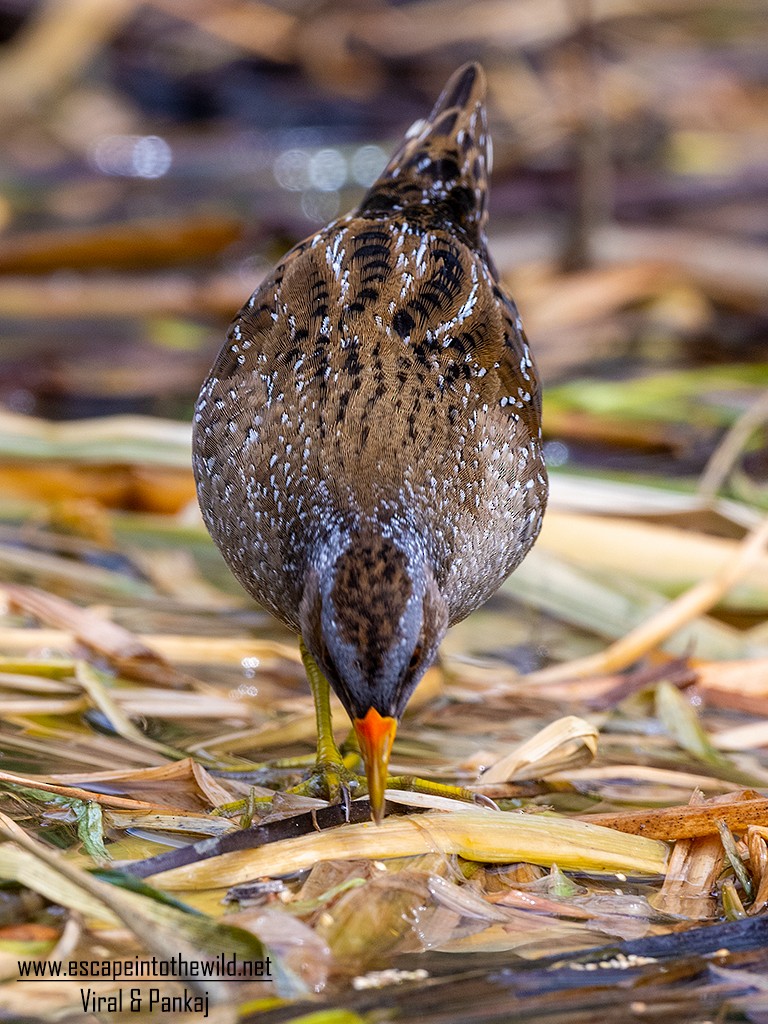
<point x="413" y="784"/>
<point x="332" y="779"/>
<point x="335" y="782"/>
<point x="338" y="784"/>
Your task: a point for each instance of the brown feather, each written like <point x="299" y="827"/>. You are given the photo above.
<point x="376" y="396"/>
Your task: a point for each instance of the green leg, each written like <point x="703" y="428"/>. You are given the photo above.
<point x="327" y="749"/>
<point x="332" y="777"/>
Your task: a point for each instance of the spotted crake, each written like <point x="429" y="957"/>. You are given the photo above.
<point x="367" y="447"/>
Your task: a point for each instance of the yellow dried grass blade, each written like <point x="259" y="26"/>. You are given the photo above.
<point x="612" y="608"/>
<point x="143" y="439"/>
<point x="36" y="684"/>
<point x="490" y="836"/>
<point x="187" y="650"/>
<point x="199" y="824"/>
<point x="655" y="630"/>
<point x="93" y="684"/>
<point x="667" y="558"/>
<point x="36" y="706"/>
<point x="569" y="742"/>
<point x="71" y="792"/>
<point x="600" y="495"/>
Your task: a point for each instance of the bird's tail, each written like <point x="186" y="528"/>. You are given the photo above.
<point x="440" y="170"/>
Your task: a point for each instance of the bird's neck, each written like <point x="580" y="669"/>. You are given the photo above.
<point x="369" y="575"/>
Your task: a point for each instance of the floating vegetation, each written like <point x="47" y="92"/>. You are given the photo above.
<point x="139" y="735"/>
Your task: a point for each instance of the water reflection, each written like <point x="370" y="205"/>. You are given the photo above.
<point x="133" y="156"/>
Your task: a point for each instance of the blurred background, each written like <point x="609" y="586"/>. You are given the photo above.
<point x="157" y="159"/>
<point x="159" y="156"/>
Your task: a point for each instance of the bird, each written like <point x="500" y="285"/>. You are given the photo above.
<point x="367" y="447"/>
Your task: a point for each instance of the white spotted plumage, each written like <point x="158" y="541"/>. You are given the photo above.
<point x="377" y="394"/>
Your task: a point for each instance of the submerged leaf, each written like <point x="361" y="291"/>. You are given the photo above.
<point x="732" y="853"/>
<point x="681" y="720"/>
<point x="90" y="829"/>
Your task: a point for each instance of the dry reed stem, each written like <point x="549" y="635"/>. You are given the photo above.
<point x="694" y="868"/>
<point x="184" y="649"/>
<point x="650" y="634"/>
<point x="724" y="457"/>
<point x="75" y="793"/>
<point x="687" y="822"/>
<point x="489" y="836"/>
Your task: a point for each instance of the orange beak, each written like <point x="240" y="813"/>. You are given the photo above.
<point x="375" y="736"/>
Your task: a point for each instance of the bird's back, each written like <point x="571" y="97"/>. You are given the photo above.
<point x="381" y="379"/>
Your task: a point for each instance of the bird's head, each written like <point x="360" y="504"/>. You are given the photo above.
<point x="372" y="617"/>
